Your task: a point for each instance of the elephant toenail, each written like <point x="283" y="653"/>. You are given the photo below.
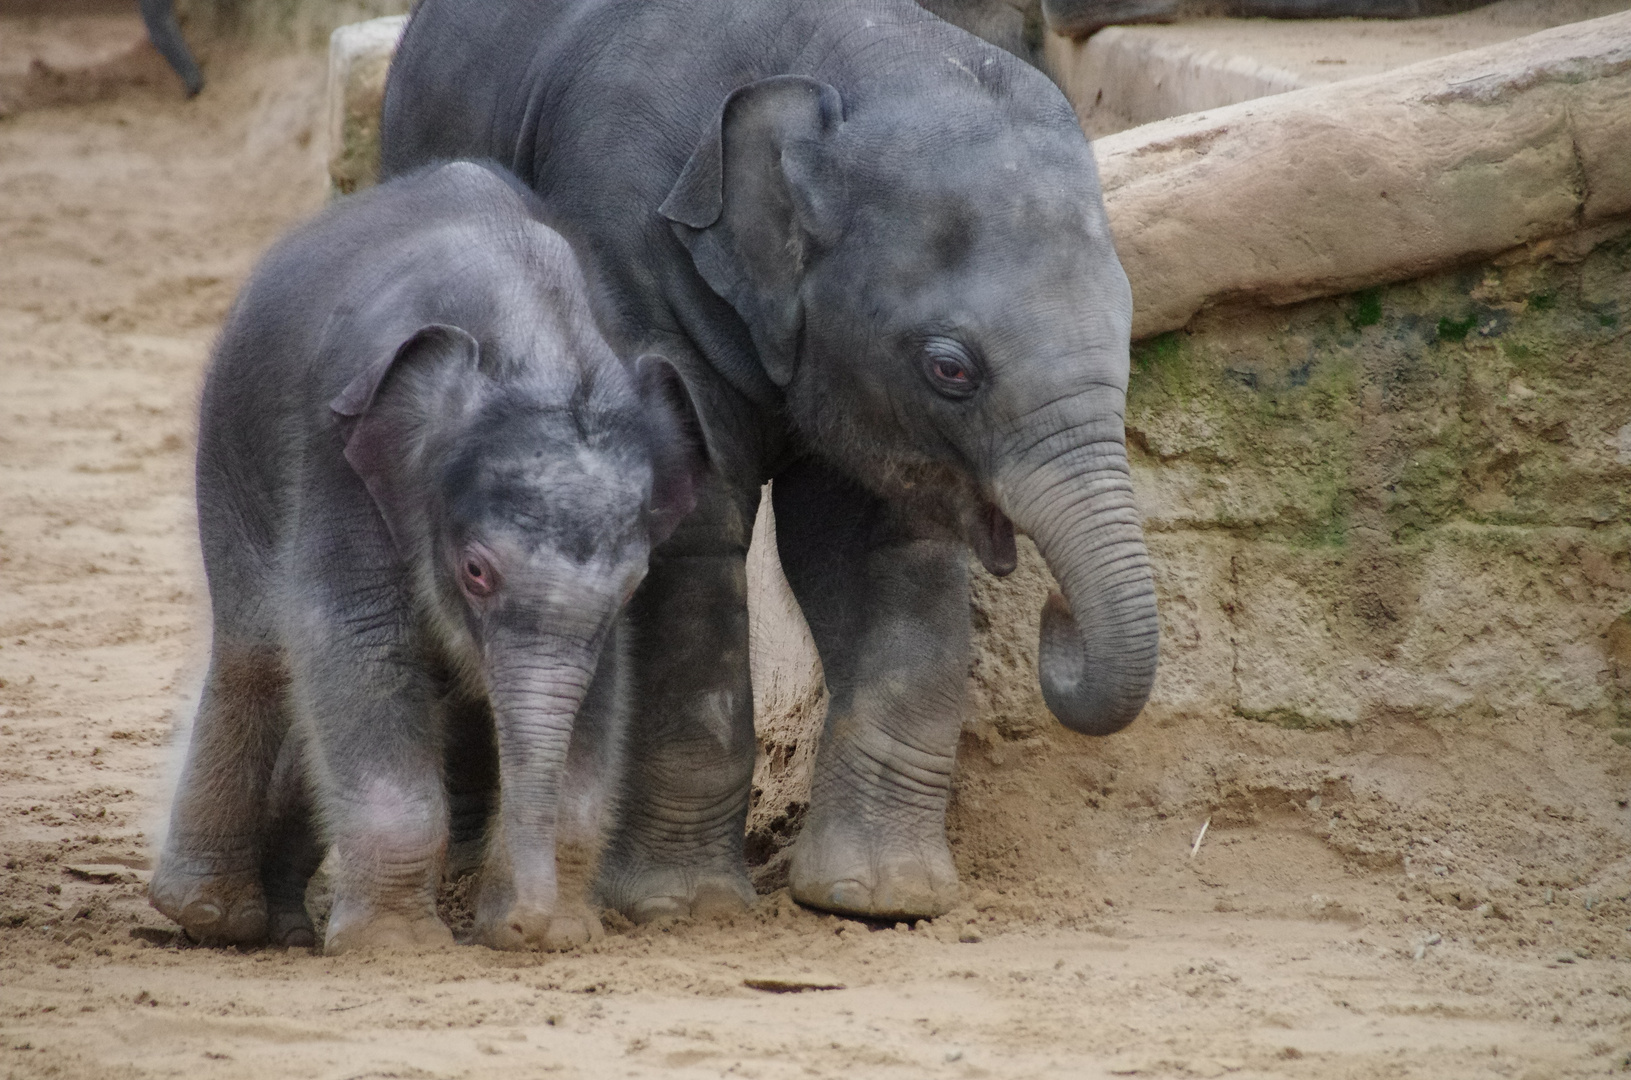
<point x="201" y="914"/>
<point x="658" y="907"/>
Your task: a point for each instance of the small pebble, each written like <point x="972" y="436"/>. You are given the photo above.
<point x="954" y="1055"/>
<point x="1421" y="951"/>
<point x="1434" y="939"/>
<point x="1565" y="958"/>
<point x="970" y="937"/>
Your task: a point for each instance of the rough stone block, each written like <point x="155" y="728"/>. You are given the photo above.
<point x="1337" y="188"/>
<point x="359" y="56"/>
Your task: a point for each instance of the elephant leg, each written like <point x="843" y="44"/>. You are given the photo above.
<point x="208" y="877"/>
<point x="472" y="782"/>
<point x="890" y="617"/>
<point x="379" y="783"/>
<point x="374" y="725"/>
<point x="682" y="797"/>
<point x="165" y="33"/>
<point x="293" y="849"/>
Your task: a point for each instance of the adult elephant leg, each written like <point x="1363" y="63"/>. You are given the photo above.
<point x="890" y="618"/>
<point x="682" y="796"/>
<point x="165" y="33"/>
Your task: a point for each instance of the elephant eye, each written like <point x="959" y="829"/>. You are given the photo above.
<point x="950" y="369"/>
<point x="476" y="574"/>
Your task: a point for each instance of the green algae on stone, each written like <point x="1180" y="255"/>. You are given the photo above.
<point x="1364" y="519"/>
<point x="1367" y="309"/>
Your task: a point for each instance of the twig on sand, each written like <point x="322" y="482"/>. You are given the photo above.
<point x="1193" y="851"/>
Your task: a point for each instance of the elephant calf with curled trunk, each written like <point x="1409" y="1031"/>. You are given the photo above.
<point x="875" y="247"/>
<point x="426" y="487"/>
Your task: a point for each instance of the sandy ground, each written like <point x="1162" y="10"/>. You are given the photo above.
<point x="1399" y="900"/>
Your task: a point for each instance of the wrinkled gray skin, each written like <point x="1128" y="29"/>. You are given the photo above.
<point x="426" y="486"/>
<point x="876" y="249"/>
<point x="165" y="33"/>
<point x="1018" y="25"/>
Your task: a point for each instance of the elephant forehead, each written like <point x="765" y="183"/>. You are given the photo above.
<point x="545" y="479"/>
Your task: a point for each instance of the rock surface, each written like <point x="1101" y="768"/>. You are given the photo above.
<point x="1337" y="188"/>
<point x="359" y="57"/>
<point x="1128" y="75"/>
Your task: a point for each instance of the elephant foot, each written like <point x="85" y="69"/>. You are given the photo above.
<point x="838" y="870"/>
<point x="394" y="931"/>
<point x="213" y="909"/>
<point x="464" y="856"/>
<point x="521" y="929"/>
<point x="290" y="927"/>
<point x="669" y="893"/>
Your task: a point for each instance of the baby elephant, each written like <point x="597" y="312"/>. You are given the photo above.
<point x="426" y="487"/>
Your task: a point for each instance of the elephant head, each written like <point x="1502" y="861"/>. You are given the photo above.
<point x="524" y="498"/>
<point x="928" y="274"/>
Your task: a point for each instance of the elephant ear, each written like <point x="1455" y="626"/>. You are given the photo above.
<point x="680" y="452"/>
<point x="387" y="412"/>
<point x="757" y="191"/>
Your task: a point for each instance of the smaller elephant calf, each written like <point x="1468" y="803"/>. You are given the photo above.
<point x="426" y="487"/>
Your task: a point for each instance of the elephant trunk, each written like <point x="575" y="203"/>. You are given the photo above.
<point x="536" y="691"/>
<point x="1099" y="640"/>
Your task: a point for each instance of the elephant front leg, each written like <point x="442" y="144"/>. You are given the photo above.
<point x="372" y="726"/>
<point x="682" y="798"/>
<point x="890" y="618"/>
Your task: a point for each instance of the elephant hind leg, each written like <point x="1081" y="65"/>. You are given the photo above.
<point x="209" y="873"/>
<point x="293" y="848"/>
<point x="471" y="770"/>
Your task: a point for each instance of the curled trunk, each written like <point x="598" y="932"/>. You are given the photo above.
<point x="1100" y="638"/>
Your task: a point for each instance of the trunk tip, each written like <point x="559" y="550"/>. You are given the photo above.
<point x="1082" y="703"/>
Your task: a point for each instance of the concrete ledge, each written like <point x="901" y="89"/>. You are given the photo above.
<point x="1122" y="76"/>
<point x="1129" y="75"/>
<point x="1337" y="188"/>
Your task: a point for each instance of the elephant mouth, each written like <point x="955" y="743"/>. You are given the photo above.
<point x="991" y="535"/>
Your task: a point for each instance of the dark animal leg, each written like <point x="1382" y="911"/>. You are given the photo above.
<point x="165" y="33"/>
<point x="682" y="799"/>
<point x="293" y="849"/>
<point x="472" y="783"/>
